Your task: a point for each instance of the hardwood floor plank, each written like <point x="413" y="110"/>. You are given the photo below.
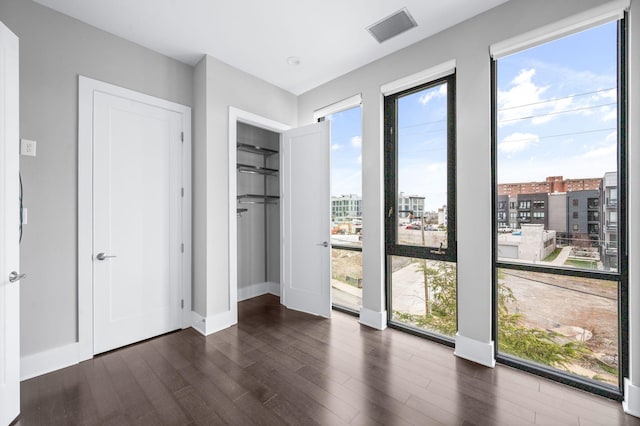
<point x="104" y="395"/>
<point x="214" y="397"/>
<point x="279" y="366"/>
<point x="132" y="398"/>
<point x="159" y="397"/>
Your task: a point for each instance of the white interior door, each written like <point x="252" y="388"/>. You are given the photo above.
<point x="9" y="225"/>
<point x="137" y="158"/>
<point x="306" y="219"/>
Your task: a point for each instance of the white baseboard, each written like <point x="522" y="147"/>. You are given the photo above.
<point x="631" y="403"/>
<point x="47" y="361"/>
<point x="474" y="350"/>
<point x="373" y="319"/>
<point x="258" y="289"/>
<point x="213" y="323"/>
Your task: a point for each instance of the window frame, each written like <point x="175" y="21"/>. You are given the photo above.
<point x="391" y="194"/>
<point x="621" y="277"/>
<point x="319" y="116"/>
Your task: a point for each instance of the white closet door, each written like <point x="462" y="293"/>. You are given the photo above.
<point x="306" y="219"/>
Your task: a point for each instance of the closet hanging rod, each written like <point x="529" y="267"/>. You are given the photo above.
<point x="259" y="196"/>
<point x="247" y="168"/>
<point x="256" y="149"/>
<point x="257" y="202"/>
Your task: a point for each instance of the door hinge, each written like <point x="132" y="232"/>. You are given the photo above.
<point x="182" y="304"/>
<point x="181" y="136"/>
<point x="182" y="192"/>
<point x="182" y="247"/>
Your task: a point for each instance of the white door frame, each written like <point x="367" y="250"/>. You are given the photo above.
<point x="9" y="220"/>
<point x="237" y="115"/>
<point x="86" y="89"/>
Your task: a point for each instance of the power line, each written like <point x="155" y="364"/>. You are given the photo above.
<point x="557" y="99"/>
<point x="422" y="124"/>
<point x="557" y="112"/>
<point x="561" y="135"/>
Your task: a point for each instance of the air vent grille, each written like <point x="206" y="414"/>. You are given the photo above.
<point x="392" y="25"/>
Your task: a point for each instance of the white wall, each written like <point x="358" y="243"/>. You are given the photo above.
<point x="225" y="86"/>
<point x="468" y="44"/>
<point x="54" y="50"/>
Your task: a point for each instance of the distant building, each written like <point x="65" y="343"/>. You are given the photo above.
<point x="408" y="204"/>
<point x="442" y="216"/>
<point x="609" y="233"/>
<point x="552" y="184"/>
<point x="557" y="212"/>
<point x="532" y="209"/>
<point x="502" y="216"/>
<point x="346" y="206"/>
<point x="531" y="243"/>
<point x="583" y="216"/>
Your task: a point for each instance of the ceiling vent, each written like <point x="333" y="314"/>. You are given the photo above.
<point x="392" y="25"/>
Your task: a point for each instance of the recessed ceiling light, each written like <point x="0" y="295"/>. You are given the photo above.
<point x="293" y="61"/>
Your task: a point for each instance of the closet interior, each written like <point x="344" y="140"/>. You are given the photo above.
<point x="258" y="211"/>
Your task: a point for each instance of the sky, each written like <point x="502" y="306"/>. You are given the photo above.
<point x="557" y="116"/>
<point x="567" y="88"/>
<point x="346" y="152"/>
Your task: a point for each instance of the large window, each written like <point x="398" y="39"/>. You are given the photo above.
<point x="420" y="209"/>
<point x="559" y="139"/>
<point x="346" y="208"/>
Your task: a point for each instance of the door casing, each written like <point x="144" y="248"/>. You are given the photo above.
<point x="86" y="89"/>
<point x="9" y="222"/>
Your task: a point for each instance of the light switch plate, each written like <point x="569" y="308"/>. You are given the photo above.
<point x="28" y="147"/>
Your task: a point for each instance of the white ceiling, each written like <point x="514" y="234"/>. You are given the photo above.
<point x="257" y="36"/>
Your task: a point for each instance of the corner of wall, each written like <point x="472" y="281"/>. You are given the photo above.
<point x="50" y="360"/>
<point x="631" y="403"/>
<point x="214" y="323"/>
<point x="373" y="319"/>
<point x="474" y="350"/>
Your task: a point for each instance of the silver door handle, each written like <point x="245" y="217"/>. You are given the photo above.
<point x="102" y="256"/>
<point x="14" y="276"/>
<point x="323" y="244"/>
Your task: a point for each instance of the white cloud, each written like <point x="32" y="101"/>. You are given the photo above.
<point x="359" y="159"/>
<point x="524" y="100"/>
<point x="436" y="168"/>
<point x="602" y="152"/>
<point x="336" y="147"/>
<point x="609" y="114"/>
<point x="441" y="92"/>
<point x="516" y="142"/>
<point x="356" y="141"/>
<point x="607" y="151"/>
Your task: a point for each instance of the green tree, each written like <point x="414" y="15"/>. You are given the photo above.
<point x="514" y="337"/>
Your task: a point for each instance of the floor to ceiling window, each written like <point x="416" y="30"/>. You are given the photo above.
<point x="420" y="209"/>
<point x="346" y="208"/>
<point x="559" y="144"/>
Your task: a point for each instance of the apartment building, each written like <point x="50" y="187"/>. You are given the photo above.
<point x="346" y="206"/>
<point x="609" y="220"/>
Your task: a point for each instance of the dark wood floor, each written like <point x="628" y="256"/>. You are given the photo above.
<point x="283" y="367"/>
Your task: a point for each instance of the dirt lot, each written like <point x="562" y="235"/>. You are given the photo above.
<point x="577" y="308"/>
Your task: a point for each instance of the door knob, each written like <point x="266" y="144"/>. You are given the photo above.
<point x="102" y="256"/>
<point x="323" y="244"/>
<point x="14" y="276"/>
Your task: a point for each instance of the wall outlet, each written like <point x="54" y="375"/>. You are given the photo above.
<point x="28" y="147"/>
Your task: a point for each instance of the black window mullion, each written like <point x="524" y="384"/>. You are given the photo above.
<point x="391" y="176"/>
